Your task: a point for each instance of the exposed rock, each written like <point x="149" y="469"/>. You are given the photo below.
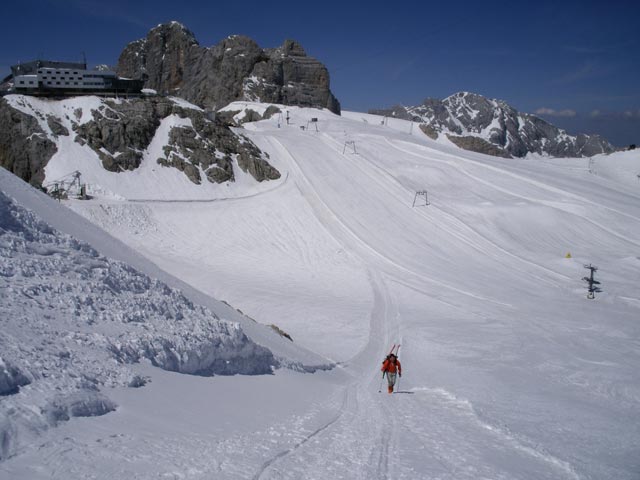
<point x="270" y="112"/>
<point x="56" y="127"/>
<point x="259" y="168"/>
<point x="251" y="116"/>
<point x="11" y="378"/>
<point x="78" y="404"/>
<point x="496" y="123"/>
<point x="429" y="131"/>
<point x="477" y="144"/>
<point x="121" y="131"/>
<point x="172" y="61"/>
<point x="24" y="146"/>
<point x="231" y="117"/>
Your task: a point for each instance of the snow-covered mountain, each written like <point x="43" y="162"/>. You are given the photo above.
<point x="373" y="235"/>
<point x="490" y="126"/>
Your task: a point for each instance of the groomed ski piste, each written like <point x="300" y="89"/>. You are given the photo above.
<point x="509" y="371"/>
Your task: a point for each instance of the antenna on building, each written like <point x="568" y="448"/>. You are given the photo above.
<point x="84" y="60"/>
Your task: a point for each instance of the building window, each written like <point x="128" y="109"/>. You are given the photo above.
<point x="57" y="83"/>
<point x="44" y="78"/>
<point x="75" y="83"/>
<point x="30" y="82"/>
<point x="57" y="73"/>
<point x="21" y="82"/>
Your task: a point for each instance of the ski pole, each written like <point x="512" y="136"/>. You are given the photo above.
<point x="380" y="387"/>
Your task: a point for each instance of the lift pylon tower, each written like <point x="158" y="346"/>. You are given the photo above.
<point x="593" y="284"/>
<point x="352" y="146"/>
<point x="421" y="193"/>
<point x="314" y="122"/>
<point x="69" y="184"/>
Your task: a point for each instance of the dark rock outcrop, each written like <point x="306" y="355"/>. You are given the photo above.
<point x="477" y="144"/>
<point x="121" y="131"/>
<point x="11" y="378"/>
<point x="498" y="128"/>
<point x="173" y="62"/>
<point x="25" y="149"/>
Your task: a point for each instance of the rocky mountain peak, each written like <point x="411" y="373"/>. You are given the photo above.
<point x="494" y="127"/>
<point x="172" y="30"/>
<point x="239" y="42"/>
<point x="293" y="48"/>
<point x="237" y="68"/>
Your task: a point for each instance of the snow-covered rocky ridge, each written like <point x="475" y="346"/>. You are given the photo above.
<point x="148" y="136"/>
<point x="491" y="126"/>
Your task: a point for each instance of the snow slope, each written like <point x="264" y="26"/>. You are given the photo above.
<point x="509" y="371"/>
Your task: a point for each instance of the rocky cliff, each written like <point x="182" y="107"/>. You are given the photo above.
<point x="493" y="127"/>
<point x="25" y="148"/>
<point x="173" y="62"/>
<point x="119" y="132"/>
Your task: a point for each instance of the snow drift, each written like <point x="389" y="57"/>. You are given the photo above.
<point x="72" y="320"/>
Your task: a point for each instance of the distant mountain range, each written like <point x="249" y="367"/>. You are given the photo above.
<point x="490" y="126"/>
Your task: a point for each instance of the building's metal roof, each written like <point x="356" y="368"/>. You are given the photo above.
<point x="32" y="67"/>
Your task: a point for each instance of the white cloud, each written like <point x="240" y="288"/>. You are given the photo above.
<point x="550" y="112"/>
<point x="624" y="115"/>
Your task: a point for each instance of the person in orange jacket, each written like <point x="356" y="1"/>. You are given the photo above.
<point x="392" y="368"/>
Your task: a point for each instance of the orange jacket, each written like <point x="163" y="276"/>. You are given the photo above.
<point x="389" y="366"/>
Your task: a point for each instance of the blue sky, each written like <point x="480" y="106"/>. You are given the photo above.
<point x="575" y="63"/>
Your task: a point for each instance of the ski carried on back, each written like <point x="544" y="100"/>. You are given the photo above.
<point x="395" y="347"/>
<point x="385" y="366"/>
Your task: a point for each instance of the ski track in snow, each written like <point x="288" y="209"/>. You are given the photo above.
<point x="539" y="200"/>
<point x="315" y="200"/>
<point x="356" y="413"/>
<point x="492" y="249"/>
<point x="361" y="411"/>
